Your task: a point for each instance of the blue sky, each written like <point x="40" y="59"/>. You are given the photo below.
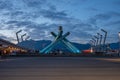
<point x="37" y="18"/>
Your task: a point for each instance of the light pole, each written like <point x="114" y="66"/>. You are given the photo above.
<point x="100" y="41"/>
<point x="17" y="35"/>
<point x="104" y="39"/>
<point x="90" y="42"/>
<point x="97" y="40"/>
<point x="94" y="44"/>
<point x="97" y="43"/>
<point x="94" y="41"/>
<point x="119" y="43"/>
<point x="23" y="36"/>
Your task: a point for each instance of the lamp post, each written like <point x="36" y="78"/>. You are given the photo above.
<point x="104" y="39"/>
<point x="94" y="41"/>
<point x="100" y="41"/>
<point x="17" y="35"/>
<point x="23" y="36"/>
<point x="94" y="47"/>
<point x="97" y="43"/>
<point x="97" y="40"/>
<point x="119" y="43"/>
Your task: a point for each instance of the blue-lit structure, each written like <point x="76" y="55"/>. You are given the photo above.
<point x="60" y="38"/>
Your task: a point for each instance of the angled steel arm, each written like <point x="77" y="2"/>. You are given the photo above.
<point x="69" y="47"/>
<point x="46" y="48"/>
<point x="74" y="49"/>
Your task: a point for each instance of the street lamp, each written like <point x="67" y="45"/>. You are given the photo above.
<point x="119" y="35"/>
<point x="97" y="39"/>
<point x="97" y="43"/>
<point x="94" y="46"/>
<point x="94" y="41"/>
<point x="23" y="36"/>
<point x="119" y="41"/>
<point x="100" y="41"/>
<point x="104" y="38"/>
<point x="17" y="35"/>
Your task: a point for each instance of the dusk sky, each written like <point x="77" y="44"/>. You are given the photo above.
<point x="82" y="18"/>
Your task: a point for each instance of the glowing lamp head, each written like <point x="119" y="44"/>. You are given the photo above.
<point x="119" y="34"/>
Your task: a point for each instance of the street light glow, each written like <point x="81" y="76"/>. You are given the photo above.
<point x="119" y="34"/>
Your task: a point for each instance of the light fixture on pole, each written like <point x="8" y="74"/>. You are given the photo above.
<point x="119" y="35"/>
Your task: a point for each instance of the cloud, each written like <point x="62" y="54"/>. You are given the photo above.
<point x="42" y="31"/>
<point x="19" y="23"/>
<point x="99" y="17"/>
<point x="114" y="14"/>
<point x="105" y="19"/>
<point x="2" y="36"/>
<point x="24" y="18"/>
<point x="72" y="3"/>
<point x="92" y="9"/>
<point x="113" y="23"/>
<point x="55" y="15"/>
<point x="29" y="13"/>
<point x="34" y="3"/>
<point x="116" y="2"/>
<point x="39" y="17"/>
<point x="7" y="38"/>
<point x="5" y="4"/>
<point x="114" y="26"/>
<point x="16" y="13"/>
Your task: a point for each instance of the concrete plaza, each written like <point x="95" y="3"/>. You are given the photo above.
<point x="59" y="68"/>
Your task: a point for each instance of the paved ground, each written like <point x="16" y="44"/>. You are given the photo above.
<point x="60" y="68"/>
